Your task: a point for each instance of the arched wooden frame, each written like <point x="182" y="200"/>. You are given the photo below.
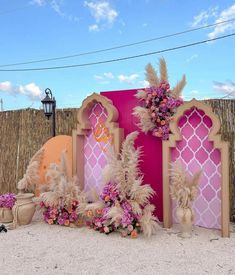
<point x="218" y="143"/>
<point x="83" y="126"/>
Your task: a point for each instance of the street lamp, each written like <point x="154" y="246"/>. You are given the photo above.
<point x="49" y="105"/>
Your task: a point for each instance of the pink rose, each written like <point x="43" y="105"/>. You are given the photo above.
<point x="130" y="227"/>
<point x="106" y="229"/>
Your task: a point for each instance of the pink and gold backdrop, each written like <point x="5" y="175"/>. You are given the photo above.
<point x="96" y="144"/>
<point x="196" y="152"/>
<point x="151" y="164"/>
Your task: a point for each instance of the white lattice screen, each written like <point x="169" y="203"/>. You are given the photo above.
<point x="196" y="152"/>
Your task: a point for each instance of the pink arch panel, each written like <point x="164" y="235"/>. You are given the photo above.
<point x="196" y="152"/>
<point x="96" y="144"/>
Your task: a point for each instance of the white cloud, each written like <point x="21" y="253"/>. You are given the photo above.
<point x="144" y="83"/>
<point x="105" y="78"/>
<point x="203" y="17"/>
<point x="102" y="11"/>
<point x="98" y="77"/>
<point x="109" y="75"/>
<point x="56" y="6"/>
<point x="31" y="90"/>
<point x="228" y="88"/>
<point x="225" y="15"/>
<point x="94" y="28"/>
<point x="212" y="15"/>
<point x="129" y="79"/>
<point x="7" y="87"/>
<point x="191" y="58"/>
<point x="38" y="2"/>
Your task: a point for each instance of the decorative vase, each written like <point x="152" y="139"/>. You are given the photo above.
<point x="185" y="217"/>
<point x="6" y="215"/>
<point x="24" y="209"/>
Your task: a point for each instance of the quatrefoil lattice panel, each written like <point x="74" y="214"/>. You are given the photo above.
<point x="97" y="143"/>
<point x="196" y="152"/>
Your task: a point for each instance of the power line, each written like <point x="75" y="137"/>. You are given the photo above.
<point x="117" y="47"/>
<point x="228" y="94"/>
<point x="118" y="59"/>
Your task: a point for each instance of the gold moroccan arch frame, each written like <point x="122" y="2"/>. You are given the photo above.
<point x="83" y="126"/>
<point x="213" y="136"/>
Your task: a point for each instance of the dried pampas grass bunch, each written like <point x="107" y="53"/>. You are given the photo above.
<point x="124" y="202"/>
<point x="160" y="102"/>
<point x="31" y="176"/>
<point x="61" y="194"/>
<point x="154" y="81"/>
<point x="184" y="188"/>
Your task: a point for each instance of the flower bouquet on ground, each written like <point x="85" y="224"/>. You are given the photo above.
<point x="123" y="204"/>
<point x="7" y="201"/>
<point x="61" y="199"/>
<point x="160" y="102"/>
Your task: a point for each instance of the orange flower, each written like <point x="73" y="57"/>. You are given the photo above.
<point x="107" y="198"/>
<point x="134" y="234"/>
<point x="163" y="122"/>
<point x="89" y="213"/>
<point x="70" y="210"/>
<point x="66" y="222"/>
<point x="50" y="221"/>
<point x="98" y="211"/>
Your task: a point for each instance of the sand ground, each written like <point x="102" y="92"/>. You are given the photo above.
<point x="39" y="248"/>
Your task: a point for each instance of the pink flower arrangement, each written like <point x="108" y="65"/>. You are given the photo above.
<point x="100" y="221"/>
<point x="7" y="200"/>
<point x="61" y="215"/>
<point x="161" y="106"/>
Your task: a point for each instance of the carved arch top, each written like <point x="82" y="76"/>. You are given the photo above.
<point x="213" y="135"/>
<point x="83" y="112"/>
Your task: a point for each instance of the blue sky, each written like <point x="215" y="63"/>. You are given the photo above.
<point x="41" y="29"/>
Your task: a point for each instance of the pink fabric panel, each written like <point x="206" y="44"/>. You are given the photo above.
<point x="95" y="148"/>
<point x="196" y="152"/>
<point x="151" y="164"/>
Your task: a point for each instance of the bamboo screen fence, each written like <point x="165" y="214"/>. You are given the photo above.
<point x="23" y="132"/>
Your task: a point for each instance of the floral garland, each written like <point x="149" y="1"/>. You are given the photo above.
<point x="61" y="214"/>
<point x="161" y="106"/>
<point x="160" y="102"/>
<point x="126" y="224"/>
<point x="7" y="200"/>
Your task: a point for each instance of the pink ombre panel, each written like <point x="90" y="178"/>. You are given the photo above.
<point x="196" y="152"/>
<point x="96" y="145"/>
<point x="151" y="160"/>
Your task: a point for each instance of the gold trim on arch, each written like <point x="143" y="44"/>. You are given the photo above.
<point x="83" y="126"/>
<point x="218" y="143"/>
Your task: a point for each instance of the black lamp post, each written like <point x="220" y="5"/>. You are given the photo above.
<point x="49" y="105"/>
